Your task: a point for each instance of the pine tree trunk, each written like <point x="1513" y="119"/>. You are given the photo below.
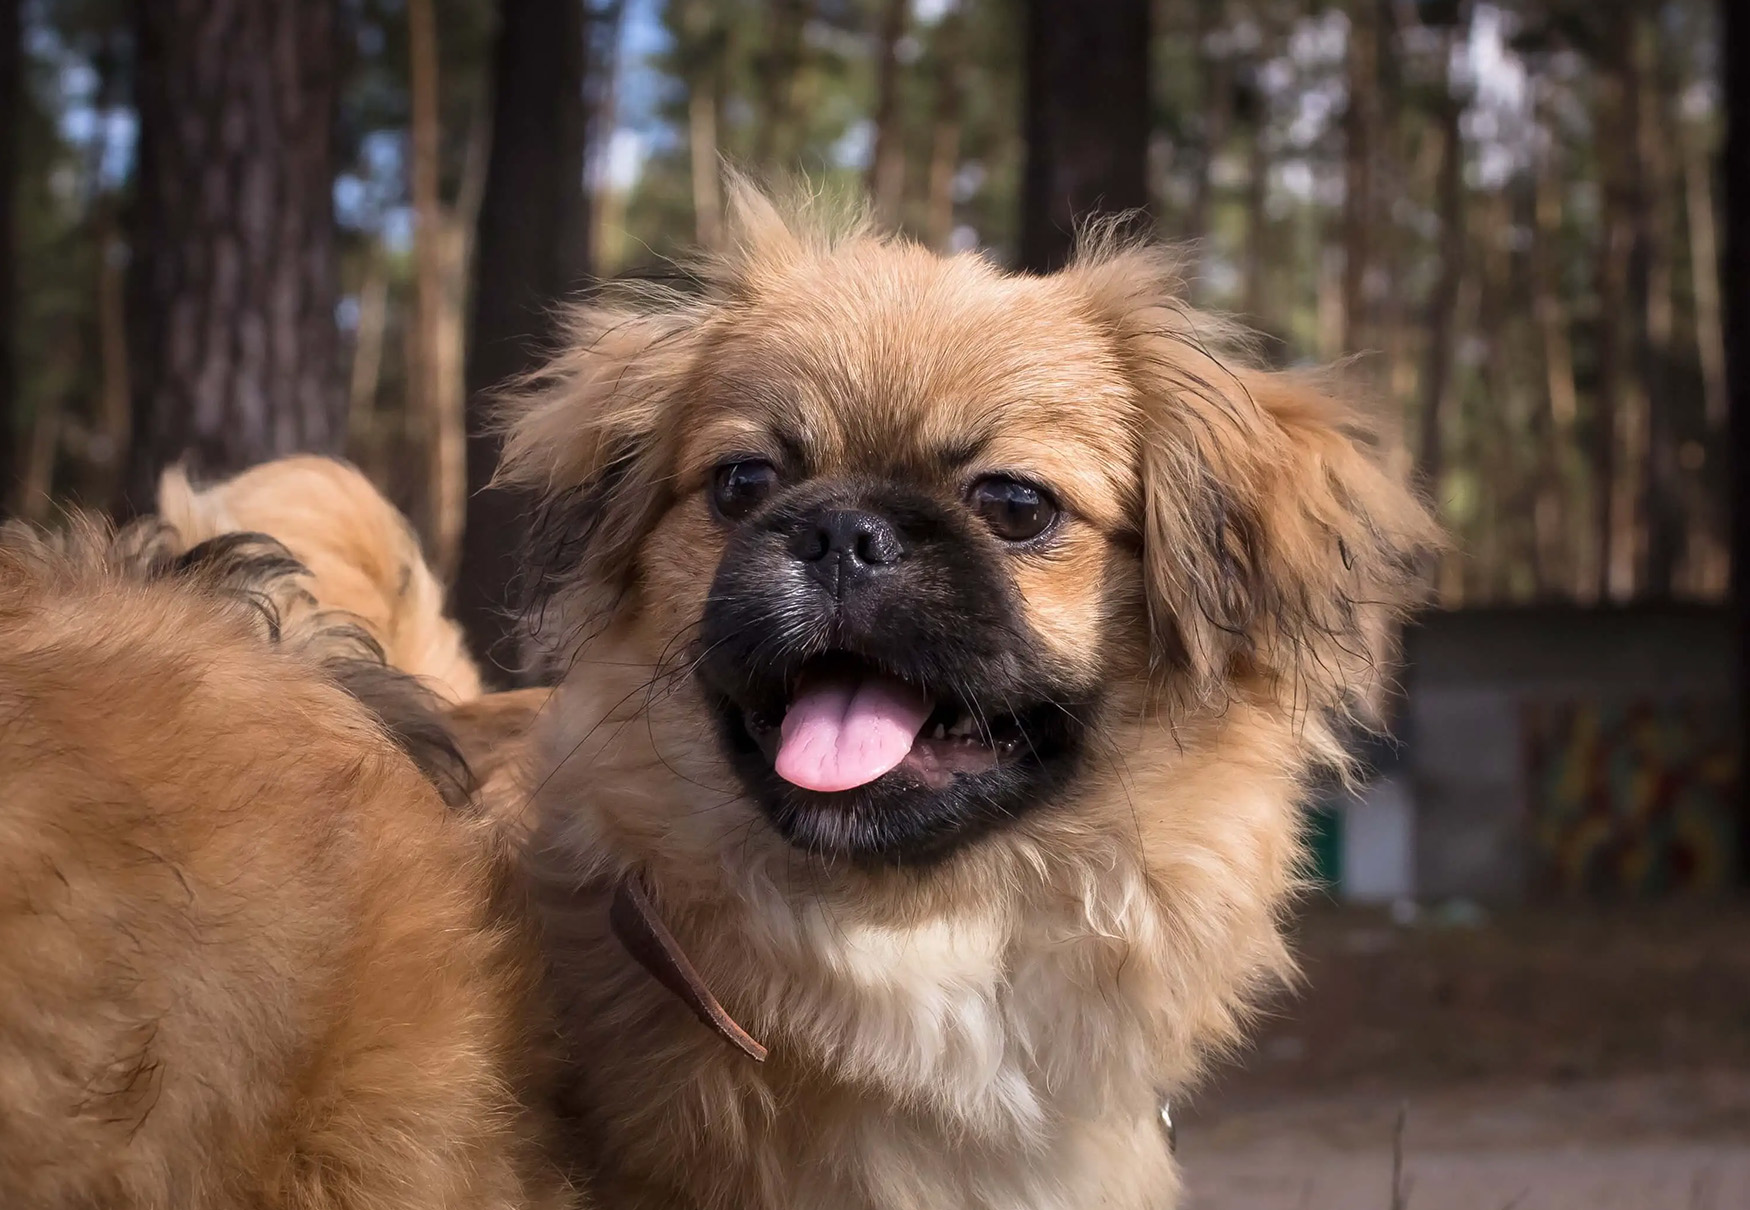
<point x="11" y="37"/>
<point x="236" y="353"/>
<point x="1704" y="268"/>
<point x="704" y="57"/>
<point x="945" y="129"/>
<point x="532" y="248"/>
<point x="1086" y="121"/>
<point x="887" y="165"/>
<point x="435" y="372"/>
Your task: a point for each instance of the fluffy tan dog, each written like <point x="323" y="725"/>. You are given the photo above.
<point x="247" y="955"/>
<point x="951" y="650"/>
<point x="362" y="555"/>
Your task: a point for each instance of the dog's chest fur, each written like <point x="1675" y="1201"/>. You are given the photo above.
<point x="948" y="1063"/>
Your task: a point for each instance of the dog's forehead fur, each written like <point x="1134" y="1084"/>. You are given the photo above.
<point x="882" y="358"/>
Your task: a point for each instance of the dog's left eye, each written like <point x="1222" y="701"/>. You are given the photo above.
<point x="1015" y="511"/>
<point x="737" y="488"/>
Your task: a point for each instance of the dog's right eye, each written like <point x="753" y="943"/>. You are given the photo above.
<point x="738" y="488"/>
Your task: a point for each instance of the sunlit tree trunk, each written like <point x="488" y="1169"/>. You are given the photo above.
<point x="532" y="246"/>
<point x="950" y="48"/>
<point x="1086" y="120"/>
<point x="435" y="375"/>
<point x="1704" y="262"/>
<point x="236" y="356"/>
<point x="887" y="165"/>
<point x="704" y="60"/>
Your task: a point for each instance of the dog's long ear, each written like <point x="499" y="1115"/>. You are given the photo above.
<point x="1277" y="546"/>
<point x="591" y="438"/>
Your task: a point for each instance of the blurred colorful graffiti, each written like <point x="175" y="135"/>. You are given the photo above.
<point x="1631" y="798"/>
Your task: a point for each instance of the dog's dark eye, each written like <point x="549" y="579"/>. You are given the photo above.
<point x="1015" y="511"/>
<point x="738" y="488"/>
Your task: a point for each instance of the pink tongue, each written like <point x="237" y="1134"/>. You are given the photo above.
<point x="846" y="730"/>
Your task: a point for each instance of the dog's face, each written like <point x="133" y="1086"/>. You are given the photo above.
<point x="912" y="560"/>
<point x="918" y="532"/>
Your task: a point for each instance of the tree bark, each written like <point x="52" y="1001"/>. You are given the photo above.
<point x="532" y="250"/>
<point x="1086" y="121"/>
<point x="435" y="377"/>
<point x="887" y="165"/>
<point x="704" y="56"/>
<point x="1704" y="267"/>
<point x="1735" y="57"/>
<point x="233" y="292"/>
<point x="11" y="38"/>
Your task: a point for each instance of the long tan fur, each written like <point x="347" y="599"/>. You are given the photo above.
<point x="362" y="555"/>
<point x="247" y="955"/>
<point x="996" y="1031"/>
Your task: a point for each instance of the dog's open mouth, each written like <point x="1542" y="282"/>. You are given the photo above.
<point x="847" y="723"/>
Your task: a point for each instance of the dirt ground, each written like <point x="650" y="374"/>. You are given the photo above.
<point x="1543" y="1060"/>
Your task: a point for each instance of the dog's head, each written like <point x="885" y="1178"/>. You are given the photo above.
<point x="905" y="534"/>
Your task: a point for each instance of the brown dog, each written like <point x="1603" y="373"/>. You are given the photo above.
<point x="951" y="650"/>
<point x="247" y="955"/>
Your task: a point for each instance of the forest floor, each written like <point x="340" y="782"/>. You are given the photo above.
<point x="1550" y="1060"/>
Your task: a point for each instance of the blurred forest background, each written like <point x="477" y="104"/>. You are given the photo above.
<point x="245" y="227"/>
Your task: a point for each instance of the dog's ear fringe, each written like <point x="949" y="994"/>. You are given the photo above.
<point x="1279" y="546"/>
<point x="256" y="573"/>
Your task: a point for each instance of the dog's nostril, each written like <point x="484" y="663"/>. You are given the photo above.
<point x="811" y="545"/>
<point x="853" y="535"/>
<point x="878" y="545"/>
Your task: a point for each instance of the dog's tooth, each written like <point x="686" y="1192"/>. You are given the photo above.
<point x="941" y="731"/>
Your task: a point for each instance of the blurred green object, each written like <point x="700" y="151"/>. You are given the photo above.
<point x="1325" y="846"/>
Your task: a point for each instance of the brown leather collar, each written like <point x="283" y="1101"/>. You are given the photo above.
<point x="635" y="922"/>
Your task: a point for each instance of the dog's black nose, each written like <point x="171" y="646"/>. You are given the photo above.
<point x="841" y="544"/>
